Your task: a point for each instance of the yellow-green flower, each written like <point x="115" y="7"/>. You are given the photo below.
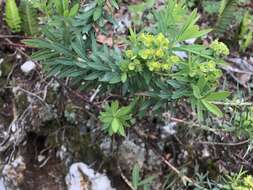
<point x="203" y="68"/>
<point x="146" y="39"/>
<point x="248" y="181"/>
<point x="166" y="66"/>
<point x="135" y="64"/>
<point x="145" y="53"/>
<point x="150" y="51"/>
<point x="161" y="40"/>
<point x="154" y="66"/>
<point x="159" y="53"/>
<point x="219" y="47"/>
<point x="131" y="66"/>
<point x="142" y="37"/>
<point x="129" y="54"/>
<point x="211" y="65"/>
<point x="174" y="59"/>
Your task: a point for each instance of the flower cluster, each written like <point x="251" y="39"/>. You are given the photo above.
<point x="219" y="48"/>
<point x="245" y="184"/>
<point x="248" y="181"/>
<point x="151" y="52"/>
<point x="209" y="70"/>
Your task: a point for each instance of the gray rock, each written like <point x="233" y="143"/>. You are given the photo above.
<point x="13" y="173"/>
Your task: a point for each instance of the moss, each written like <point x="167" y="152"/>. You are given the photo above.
<point x="21" y="102"/>
<point x="82" y="146"/>
<point x="5" y="69"/>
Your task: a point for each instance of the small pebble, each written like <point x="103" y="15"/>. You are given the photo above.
<point x="28" y="66"/>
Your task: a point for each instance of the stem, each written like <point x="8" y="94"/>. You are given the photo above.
<point x="233" y="103"/>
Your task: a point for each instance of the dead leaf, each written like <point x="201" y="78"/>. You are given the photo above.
<point x="105" y="40"/>
<point x="244" y="78"/>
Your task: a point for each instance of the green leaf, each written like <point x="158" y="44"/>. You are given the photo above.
<point x="195" y="49"/>
<point x="121" y="131"/>
<point x="196" y="91"/>
<point x="74" y="10"/>
<point x="114" y="107"/>
<point x="147" y="180"/>
<point x="212" y="108"/>
<point x="226" y="15"/>
<point x="116" y="124"/>
<point x="216" y="96"/>
<point x="146" y="187"/>
<point x="190" y="29"/>
<point x="133" y="36"/>
<point x="92" y="76"/>
<point x="200" y="111"/>
<point x="116" y="118"/>
<point x="114" y="4"/>
<point x="97" y="13"/>
<point x="202" y="83"/>
<point x="135" y="176"/>
<point x="124" y="111"/>
<point x="38" y="43"/>
<point x="123" y="77"/>
<point x="29" y="18"/>
<point x="12" y="16"/>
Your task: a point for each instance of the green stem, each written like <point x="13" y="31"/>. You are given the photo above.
<point x="233" y="103"/>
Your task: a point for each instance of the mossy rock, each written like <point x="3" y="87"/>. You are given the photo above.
<point x="5" y="69"/>
<point x="82" y="146"/>
<point x="21" y="102"/>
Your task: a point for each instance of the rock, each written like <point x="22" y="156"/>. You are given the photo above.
<point x="28" y="66"/>
<point x="64" y="155"/>
<point x="2" y="186"/>
<point x="82" y="177"/>
<point x="130" y="154"/>
<point x="242" y="64"/>
<point x="13" y="172"/>
<point x="205" y="152"/>
<point x="169" y="129"/>
<point x="105" y="146"/>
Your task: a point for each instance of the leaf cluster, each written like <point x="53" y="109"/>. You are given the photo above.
<point x="29" y="18"/>
<point x="12" y="17"/>
<point x="115" y="119"/>
<point x="57" y="7"/>
<point x="69" y="49"/>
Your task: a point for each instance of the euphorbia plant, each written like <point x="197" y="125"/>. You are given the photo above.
<point x="150" y="68"/>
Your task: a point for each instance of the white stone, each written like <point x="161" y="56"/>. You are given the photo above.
<point x="190" y="41"/>
<point x="1" y="60"/>
<point x="82" y="177"/>
<point x="28" y="66"/>
<point x="41" y="158"/>
<point x="169" y="129"/>
<point x="205" y="152"/>
<point x="2" y="186"/>
<point x="181" y="54"/>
